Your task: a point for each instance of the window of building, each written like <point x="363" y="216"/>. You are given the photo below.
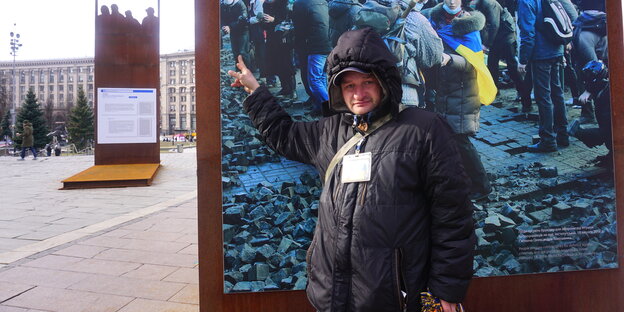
<point x="61" y="78"/>
<point x="40" y="97"/>
<point x="172" y="90"/>
<point x="172" y="121"/>
<point x="183" y="108"/>
<point x="61" y="88"/>
<point x="182" y="89"/>
<point x="182" y="121"/>
<point x="193" y="79"/>
<point x="41" y="77"/>
<point x="192" y="108"/>
<point x="192" y="62"/>
<point x="172" y="108"/>
<point x="22" y="77"/>
<point x="80" y="79"/>
<point x="32" y="76"/>
<point x="172" y="81"/>
<point x="41" y="89"/>
<point x="172" y="63"/>
<point x="22" y="98"/>
<point x="80" y="69"/>
<point x="61" y="97"/>
<point x="71" y="70"/>
<point x="90" y="88"/>
<point x="172" y="99"/>
<point x="182" y="98"/>
<point x="192" y="89"/>
<point x="172" y="72"/>
<point x="70" y="88"/>
<point x="193" y="98"/>
<point x="51" y="97"/>
<point x="90" y="78"/>
<point x="51" y="76"/>
<point x="70" y="97"/>
<point x="90" y="69"/>
<point x="193" y="122"/>
<point x="90" y="97"/>
<point x="70" y="78"/>
<point x="183" y="71"/>
<point x="182" y="80"/>
<point x="51" y="88"/>
<point x="183" y="62"/>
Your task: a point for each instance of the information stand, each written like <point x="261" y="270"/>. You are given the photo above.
<point x="127" y="102"/>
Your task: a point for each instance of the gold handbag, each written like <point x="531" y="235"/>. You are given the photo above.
<point x="432" y="304"/>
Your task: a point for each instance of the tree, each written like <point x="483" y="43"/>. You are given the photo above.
<point x="5" y="125"/>
<point x="80" y="124"/>
<point x="31" y="110"/>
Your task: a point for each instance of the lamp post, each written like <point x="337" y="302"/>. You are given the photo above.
<point x="15" y="45"/>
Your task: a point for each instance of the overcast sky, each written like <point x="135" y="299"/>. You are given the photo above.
<point x="53" y="29"/>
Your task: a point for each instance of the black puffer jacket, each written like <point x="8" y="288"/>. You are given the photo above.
<point x="311" y="22"/>
<point x="411" y="224"/>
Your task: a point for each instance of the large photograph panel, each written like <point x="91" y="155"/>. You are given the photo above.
<point x="547" y="212"/>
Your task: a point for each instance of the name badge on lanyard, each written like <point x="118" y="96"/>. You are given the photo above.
<point x="356" y="168"/>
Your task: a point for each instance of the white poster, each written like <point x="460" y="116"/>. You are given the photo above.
<point x="126" y="115"/>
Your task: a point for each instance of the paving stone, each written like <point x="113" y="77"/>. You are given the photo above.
<point x="143" y="305"/>
<point x="124" y="286"/>
<point x="64" y="300"/>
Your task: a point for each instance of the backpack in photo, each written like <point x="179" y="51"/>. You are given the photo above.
<point x="556" y="24"/>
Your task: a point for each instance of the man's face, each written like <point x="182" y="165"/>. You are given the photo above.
<point x="361" y="92"/>
<point x="452" y="4"/>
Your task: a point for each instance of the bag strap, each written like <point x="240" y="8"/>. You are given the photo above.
<point x="354" y="139"/>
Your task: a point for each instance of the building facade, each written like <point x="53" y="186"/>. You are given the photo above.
<point x="56" y="83"/>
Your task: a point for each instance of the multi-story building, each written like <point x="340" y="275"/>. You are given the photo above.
<point x="56" y="83"/>
<point x="177" y="92"/>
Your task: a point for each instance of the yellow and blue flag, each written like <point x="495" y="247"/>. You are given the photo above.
<point x="469" y="46"/>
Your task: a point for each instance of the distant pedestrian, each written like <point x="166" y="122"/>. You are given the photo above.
<point x="28" y="140"/>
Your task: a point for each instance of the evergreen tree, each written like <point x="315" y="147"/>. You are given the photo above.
<point x="5" y="125"/>
<point x="80" y="126"/>
<point x="31" y="110"/>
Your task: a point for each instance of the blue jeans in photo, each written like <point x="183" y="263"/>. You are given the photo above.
<point x="549" y="98"/>
<point x="32" y="149"/>
<point x="317" y="80"/>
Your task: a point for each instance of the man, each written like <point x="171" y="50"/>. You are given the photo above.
<point x="311" y="26"/>
<point x="394" y="215"/>
<point x="28" y="140"/>
<point x="235" y="23"/>
<point x="546" y="64"/>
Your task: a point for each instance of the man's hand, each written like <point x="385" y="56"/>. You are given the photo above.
<point x="268" y="18"/>
<point x="447" y="306"/>
<point x="226" y="29"/>
<point x="522" y="69"/>
<point x="585" y="97"/>
<point x="244" y="78"/>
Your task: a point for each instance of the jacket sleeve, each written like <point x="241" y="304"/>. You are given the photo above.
<point x="297" y="141"/>
<point x="423" y="44"/>
<point x="526" y="22"/>
<point x="241" y="21"/>
<point x="492" y="14"/>
<point x="452" y="227"/>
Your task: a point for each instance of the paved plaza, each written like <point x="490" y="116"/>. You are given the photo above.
<point x="115" y="249"/>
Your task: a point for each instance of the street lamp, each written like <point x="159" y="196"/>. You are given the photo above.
<point x="15" y="45"/>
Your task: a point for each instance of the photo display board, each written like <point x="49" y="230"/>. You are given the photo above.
<point x="548" y="212"/>
<point x="126" y="115"/>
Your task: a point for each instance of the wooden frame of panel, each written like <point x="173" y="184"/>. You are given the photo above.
<point x="598" y="290"/>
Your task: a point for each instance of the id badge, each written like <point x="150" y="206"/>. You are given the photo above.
<point x="356" y="168"/>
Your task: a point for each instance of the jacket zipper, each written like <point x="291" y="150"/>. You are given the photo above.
<point x="398" y="275"/>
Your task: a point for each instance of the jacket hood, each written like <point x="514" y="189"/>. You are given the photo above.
<point x="468" y="21"/>
<point x="364" y="49"/>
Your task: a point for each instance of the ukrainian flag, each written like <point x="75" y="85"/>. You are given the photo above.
<point x="469" y="46"/>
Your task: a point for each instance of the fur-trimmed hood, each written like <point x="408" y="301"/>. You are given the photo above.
<point x="467" y="21"/>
